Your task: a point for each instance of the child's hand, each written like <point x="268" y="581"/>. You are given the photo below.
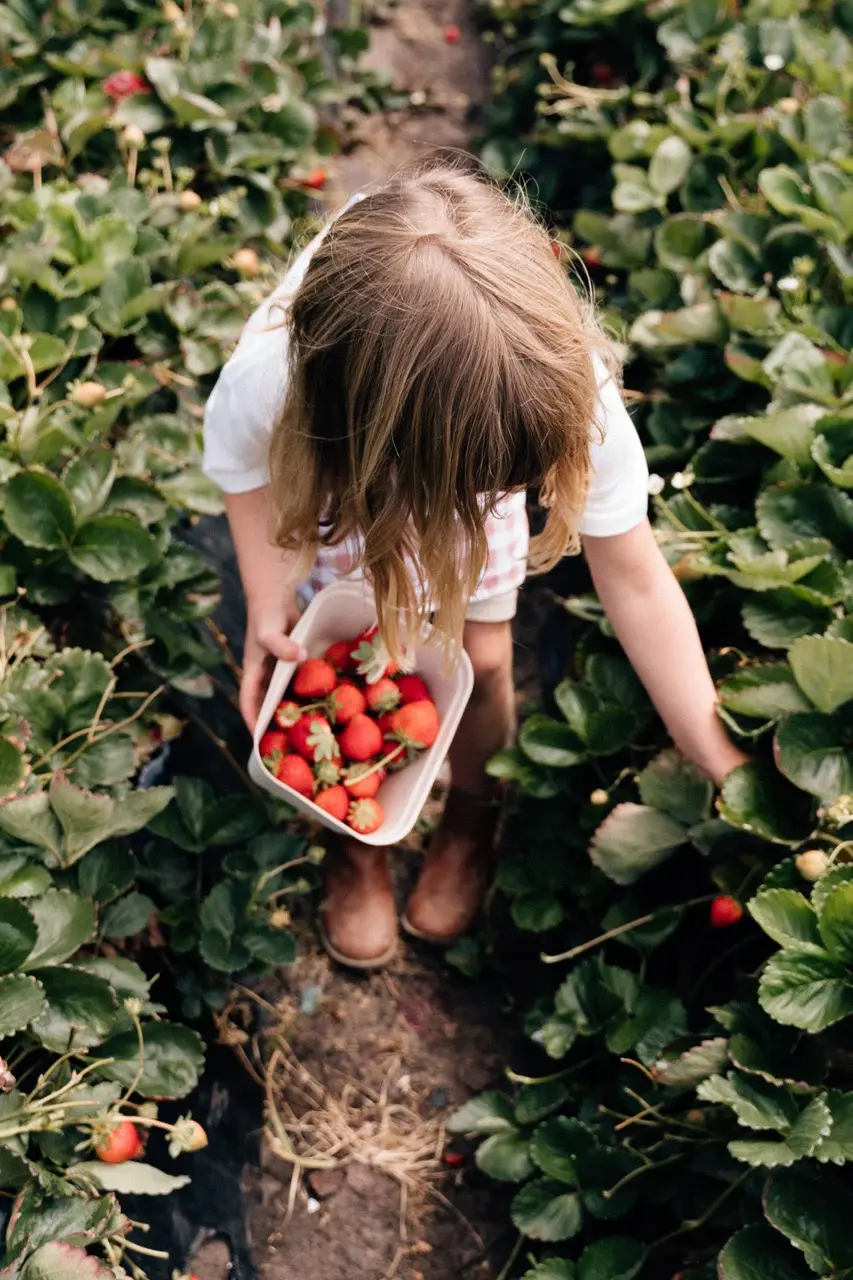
<point x="267" y="625"/>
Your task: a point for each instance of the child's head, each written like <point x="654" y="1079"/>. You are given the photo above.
<point x="439" y="358"/>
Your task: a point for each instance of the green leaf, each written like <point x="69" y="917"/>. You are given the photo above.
<point x="777" y="618"/>
<point x="268" y="944"/>
<point x="546" y="741"/>
<point x="504" y="1157"/>
<point x="836" y="923"/>
<point x="695" y="1064"/>
<point x="632" y="840"/>
<point x="786" y="917"/>
<point x="106" y="872"/>
<point x="764" y="691"/>
<point x="29" y="819"/>
<point x="757" y="1105"/>
<point x="535" y="1101"/>
<point x="755" y="798"/>
<point x="17" y="934"/>
<point x="488" y="1113"/>
<point x="675" y="786"/>
<point x="85" y="818"/>
<point x="65" y="923"/>
<point x="21" y="1000"/>
<point x="128" y="916"/>
<point x="136" y="811"/>
<point x="133" y="1178"/>
<point x="81" y="1009"/>
<point x="554" y="1148"/>
<point x="837" y="1146"/>
<point x="798" y="511"/>
<point x="789" y="432"/>
<point x="801" y="1140"/>
<point x="670" y="165"/>
<point x="552" y="1269"/>
<point x="823" y="666"/>
<point x="812" y="751"/>
<point x="815" y="1213"/>
<point x="801" y="1065"/>
<point x="759" y="1253"/>
<point x="544" y="1210"/>
<point x="537" y="912"/>
<point x="113" y="548"/>
<point x="832" y="450"/>
<point x="807" y="991"/>
<point x="11" y="766"/>
<point x="37" y="510"/>
<point x="841" y="873"/>
<point x="60" y="1261"/>
<point x="617" y="1258"/>
<point x="124" y="976"/>
<point x="88" y="480"/>
<point x="173" y="1057"/>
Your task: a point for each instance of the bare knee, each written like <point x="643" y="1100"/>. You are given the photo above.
<point x="489" y="646"/>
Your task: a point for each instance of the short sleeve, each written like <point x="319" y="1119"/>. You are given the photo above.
<point x="619" y="487"/>
<point x="242" y="409"/>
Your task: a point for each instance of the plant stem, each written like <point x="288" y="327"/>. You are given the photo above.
<point x="619" y="929"/>
<point x="641" y="1169"/>
<point x="693" y="1224"/>
<point x="510" y="1262"/>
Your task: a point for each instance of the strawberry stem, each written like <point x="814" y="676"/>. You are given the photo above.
<point x="377" y="764"/>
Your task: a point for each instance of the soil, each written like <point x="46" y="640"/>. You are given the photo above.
<point x="382" y="1059"/>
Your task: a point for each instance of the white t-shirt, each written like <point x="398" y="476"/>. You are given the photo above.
<point x="245" y="402"/>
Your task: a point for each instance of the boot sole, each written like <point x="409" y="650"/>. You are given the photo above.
<point x="410" y="929"/>
<point x="351" y="962"/>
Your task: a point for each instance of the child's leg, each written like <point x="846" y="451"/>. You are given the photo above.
<point x="458" y="866"/>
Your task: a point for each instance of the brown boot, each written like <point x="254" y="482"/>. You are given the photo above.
<point x="457" y="871"/>
<point x="358" y="915"/>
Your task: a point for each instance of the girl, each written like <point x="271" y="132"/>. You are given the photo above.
<point x="425" y="362"/>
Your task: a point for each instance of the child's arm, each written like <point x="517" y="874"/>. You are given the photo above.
<point x="654" y="624"/>
<point x="268" y="575"/>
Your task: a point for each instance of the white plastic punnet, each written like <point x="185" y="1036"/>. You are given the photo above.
<point x="340" y="612"/>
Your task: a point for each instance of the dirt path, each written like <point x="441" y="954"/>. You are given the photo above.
<point x="376" y="1063"/>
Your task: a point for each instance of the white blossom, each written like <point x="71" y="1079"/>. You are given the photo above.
<point x="682" y="479"/>
<point x="656" y="484"/>
<point x="788" y="284"/>
<point x="774" y="61"/>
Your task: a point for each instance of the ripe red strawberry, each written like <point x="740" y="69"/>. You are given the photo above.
<point x="334" y="801"/>
<point x="307" y="734"/>
<point x="371" y="657"/>
<point x="416" y="724"/>
<point x="385" y="724"/>
<point x="451" y="35"/>
<point x="122" y="84"/>
<point x="365" y="816"/>
<point x="273" y="744"/>
<point x="383" y="696"/>
<point x="360" y="786"/>
<point x="296" y="773"/>
<point x="361" y="739"/>
<point x="345" y="702"/>
<point x="413" y="689"/>
<point x="315" y="180"/>
<point x="591" y="257"/>
<point x="286" y="714"/>
<point x="339" y="655"/>
<point x="315" y="678"/>
<point x="725" y="911"/>
<point x="123" y="1143"/>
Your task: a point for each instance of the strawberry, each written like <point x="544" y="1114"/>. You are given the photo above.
<point x="416" y="724"/>
<point x="345" y="702"/>
<point x="327" y="772"/>
<point x="315" y="678"/>
<point x="123" y="1143"/>
<point x="360" y="783"/>
<point x="312" y="738"/>
<point x="123" y="84"/>
<point x="725" y="911"/>
<point x="602" y="73"/>
<point x="413" y="689"/>
<point x="335" y="801"/>
<point x="295" y="772"/>
<point x="451" y="35"/>
<point x="371" y="656"/>
<point x="361" y="739"/>
<point x="273" y="744"/>
<point x="286" y="714"/>
<point x="385" y="724"/>
<point x="365" y="816"/>
<point x="383" y="696"/>
<point x="592" y="258"/>
<point x="315" y="180"/>
<point x="812" y="864"/>
<point x="338" y="655"/>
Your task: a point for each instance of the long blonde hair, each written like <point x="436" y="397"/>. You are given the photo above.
<point x="439" y="357"/>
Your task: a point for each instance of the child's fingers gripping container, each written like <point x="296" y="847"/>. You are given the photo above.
<point x="340" y="612"/>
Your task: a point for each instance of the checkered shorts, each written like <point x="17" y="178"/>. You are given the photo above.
<point x="508" y="537"/>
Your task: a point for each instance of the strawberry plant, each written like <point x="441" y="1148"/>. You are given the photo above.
<point x="692" y="1116"/>
<point x="163" y="159"/>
